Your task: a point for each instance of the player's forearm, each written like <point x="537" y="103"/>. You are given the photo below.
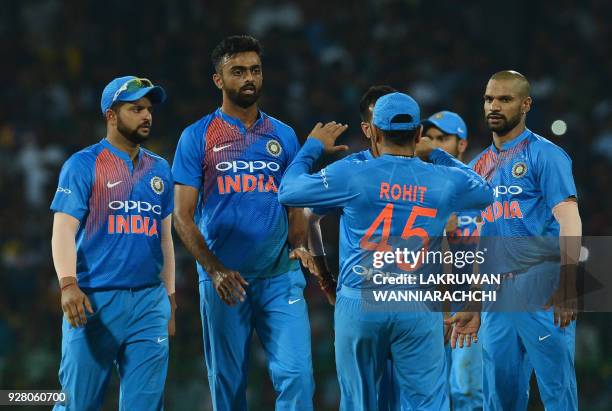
<point x="570" y="231"/>
<point x="291" y="191"/>
<point x="298" y="228"/>
<point x="193" y="240"/>
<point x="63" y="247"/>
<point x="167" y="245"/>
<point x="315" y="239"/>
<point x="480" y="193"/>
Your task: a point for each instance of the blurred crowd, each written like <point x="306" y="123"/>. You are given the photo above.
<point x="319" y="58"/>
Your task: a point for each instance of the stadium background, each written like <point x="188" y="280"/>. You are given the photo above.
<point x="319" y="58"/>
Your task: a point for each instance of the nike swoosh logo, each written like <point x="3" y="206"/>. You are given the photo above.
<point x="294" y="301"/>
<point x="111" y="185"/>
<point x="543" y="338"/>
<point x="217" y="149"/>
<point x="161" y="340"/>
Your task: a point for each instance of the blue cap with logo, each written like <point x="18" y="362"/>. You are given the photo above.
<point x="130" y="88"/>
<point x="396" y="112"/>
<point x="449" y="123"/>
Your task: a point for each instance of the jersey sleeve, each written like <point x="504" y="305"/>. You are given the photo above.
<point x="472" y="192"/>
<point x="74" y="188"/>
<point x="328" y="188"/>
<point x="168" y="194"/>
<point x="554" y="174"/>
<point x="189" y="158"/>
<point x="293" y="145"/>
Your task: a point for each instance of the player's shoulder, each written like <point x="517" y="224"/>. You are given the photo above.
<point x="480" y="156"/>
<point x="86" y="157"/>
<point x="199" y="127"/>
<point x="356" y="160"/>
<point x="281" y="128"/>
<point x="156" y="158"/>
<point x="541" y="146"/>
<point x="363" y="155"/>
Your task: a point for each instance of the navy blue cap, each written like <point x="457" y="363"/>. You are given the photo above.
<point x="396" y="112"/>
<point x="449" y="123"/>
<point x="117" y="90"/>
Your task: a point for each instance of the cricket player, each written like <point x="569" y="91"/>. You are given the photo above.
<point x="535" y="196"/>
<point x="448" y="131"/>
<point x="228" y="167"/>
<point x="388" y="397"/>
<point x="113" y="253"/>
<point x="376" y="216"/>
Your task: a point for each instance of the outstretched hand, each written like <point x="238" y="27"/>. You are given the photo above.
<point x="465" y="328"/>
<point x="328" y="134"/>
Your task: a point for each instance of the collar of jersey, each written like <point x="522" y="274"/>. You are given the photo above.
<point x="509" y="144"/>
<point x="236" y="122"/>
<point x="396" y="157"/>
<point x="368" y="154"/>
<point x="121" y="154"/>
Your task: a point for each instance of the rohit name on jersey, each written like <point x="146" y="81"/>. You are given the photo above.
<point x="132" y="223"/>
<point x="241" y="176"/>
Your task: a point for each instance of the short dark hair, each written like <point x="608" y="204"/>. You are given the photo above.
<point x="233" y="45"/>
<point x="370" y="97"/>
<point x="400" y="137"/>
<point x="115" y="107"/>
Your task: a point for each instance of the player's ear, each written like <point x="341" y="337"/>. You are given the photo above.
<point x="111" y="116"/>
<point x="526" y="105"/>
<point x="365" y="128"/>
<point x="218" y="80"/>
<point x="418" y="134"/>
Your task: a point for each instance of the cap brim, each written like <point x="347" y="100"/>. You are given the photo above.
<point x="156" y="94"/>
<point x="436" y="124"/>
<point x="441" y="126"/>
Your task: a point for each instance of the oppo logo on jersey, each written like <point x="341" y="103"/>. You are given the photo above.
<point x="511" y="190"/>
<point x="138" y="206"/>
<point x="250" y="166"/>
<point x="466" y="220"/>
<point x="242" y="183"/>
<point x="133" y="223"/>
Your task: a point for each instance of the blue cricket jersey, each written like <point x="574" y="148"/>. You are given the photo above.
<point x="120" y="208"/>
<point x="530" y="175"/>
<point x="387" y="202"/>
<point x="363" y="155"/>
<point x="237" y="172"/>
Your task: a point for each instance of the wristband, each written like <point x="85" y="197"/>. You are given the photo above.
<point x="68" y="285"/>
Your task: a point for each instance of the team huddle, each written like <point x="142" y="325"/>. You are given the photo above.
<point x="246" y="202"/>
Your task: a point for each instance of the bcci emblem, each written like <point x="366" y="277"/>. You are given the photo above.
<point x="274" y="148"/>
<point x="157" y="185"/>
<point x="519" y="169"/>
<point x="439" y="115"/>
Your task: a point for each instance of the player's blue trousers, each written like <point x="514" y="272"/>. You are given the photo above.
<point x="516" y="343"/>
<point x="465" y="377"/>
<point x="366" y="339"/>
<point x="128" y="330"/>
<point x="276" y="309"/>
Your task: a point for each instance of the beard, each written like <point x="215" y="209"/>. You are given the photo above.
<point x="133" y="135"/>
<point x="505" y="124"/>
<point x="239" y="98"/>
